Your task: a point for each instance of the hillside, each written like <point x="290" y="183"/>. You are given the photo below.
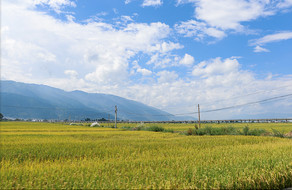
<point x="21" y="100"/>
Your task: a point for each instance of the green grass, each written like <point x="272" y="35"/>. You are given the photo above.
<point x="55" y="156"/>
<point x="282" y="127"/>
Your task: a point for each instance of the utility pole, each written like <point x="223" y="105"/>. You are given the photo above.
<point x="116" y="113"/>
<point x="199" y="116"/>
<point x="108" y="120"/>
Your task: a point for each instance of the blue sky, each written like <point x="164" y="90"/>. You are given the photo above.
<point x="171" y="54"/>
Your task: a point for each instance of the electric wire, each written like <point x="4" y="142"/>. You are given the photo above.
<point x="249" y="103"/>
<point x="224" y="108"/>
<point x="179" y="114"/>
<point x="239" y="96"/>
<point x="245" y="95"/>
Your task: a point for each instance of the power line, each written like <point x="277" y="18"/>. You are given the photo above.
<point x="219" y="109"/>
<point x="139" y="114"/>
<point x="239" y="96"/>
<point x="179" y="114"/>
<point x="257" y="92"/>
<point x="250" y="103"/>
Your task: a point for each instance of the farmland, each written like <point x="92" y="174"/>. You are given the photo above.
<point x="44" y="155"/>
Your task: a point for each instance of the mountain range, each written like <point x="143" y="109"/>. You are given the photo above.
<point x="33" y="101"/>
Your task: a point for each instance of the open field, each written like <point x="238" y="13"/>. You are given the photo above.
<point x="43" y="155"/>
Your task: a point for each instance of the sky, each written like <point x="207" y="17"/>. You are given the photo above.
<point x="169" y="54"/>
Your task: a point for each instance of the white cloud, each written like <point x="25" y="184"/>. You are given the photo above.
<point x="285" y="35"/>
<point x="37" y="48"/>
<point x="56" y="5"/>
<point x="126" y="18"/>
<point x="216" y="67"/>
<point x="198" y="30"/>
<point x="103" y="51"/>
<point x="228" y="14"/>
<point x="218" y="18"/>
<point x="127" y="1"/>
<point x="285" y="4"/>
<point x="163" y="60"/>
<point x="187" y="60"/>
<point x="216" y="90"/>
<point x="152" y="3"/>
<point x="280" y="36"/>
<point x="258" y="49"/>
<point x="165" y="47"/>
<point x="167" y="76"/>
<point x="144" y="72"/>
<point x="71" y="73"/>
<point x="70" y="18"/>
<point x="27" y="53"/>
<point x="161" y="55"/>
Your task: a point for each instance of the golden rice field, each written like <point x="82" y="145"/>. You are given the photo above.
<point x="56" y="156"/>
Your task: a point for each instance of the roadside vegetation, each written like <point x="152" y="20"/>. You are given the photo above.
<point x="208" y="130"/>
<point x="235" y="131"/>
<point x="56" y="156"/>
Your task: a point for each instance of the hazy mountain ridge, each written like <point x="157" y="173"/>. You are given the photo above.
<point x="21" y="100"/>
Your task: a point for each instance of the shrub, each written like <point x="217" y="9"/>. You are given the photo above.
<point x="289" y="135"/>
<point x="208" y="130"/>
<point x="150" y="128"/>
<point x="154" y="128"/>
<point x="199" y="131"/>
<point x="126" y="128"/>
<point x="190" y="131"/>
<point x="168" y="130"/>
<point x="256" y="132"/>
<point x="214" y="131"/>
<point x="277" y="133"/>
<point x="140" y="127"/>
<point x="245" y="130"/>
<point x="229" y="131"/>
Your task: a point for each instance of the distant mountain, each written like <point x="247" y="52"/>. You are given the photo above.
<point x="21" y="100"/>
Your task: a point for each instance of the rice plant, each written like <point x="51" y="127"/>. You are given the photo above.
<point x="57" y="156"/>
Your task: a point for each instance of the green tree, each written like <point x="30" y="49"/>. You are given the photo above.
<point x="102" y="119"/>
<point x="1" y="116"/>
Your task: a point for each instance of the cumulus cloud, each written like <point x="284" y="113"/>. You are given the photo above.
<point x="27" y="53"/>
<point x="216" y="67"/>
<point x="187" y="60"/>
<point x="285" y="4"/>
<point x="56" y="5"/>
<point x="217" y="83"/>
<point x="97" y="57"/>
<point x="198" y="30"/>
<point x="228" y="14"/>
<point x="144" y="72"/>
<point x="152" y="3"/>
<point x="165" y="47"/>
<point x="217" y="18"/>
<point x="100" y="53"/>
<point x="167" y="76"/>
<point x="71" y="73"/>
